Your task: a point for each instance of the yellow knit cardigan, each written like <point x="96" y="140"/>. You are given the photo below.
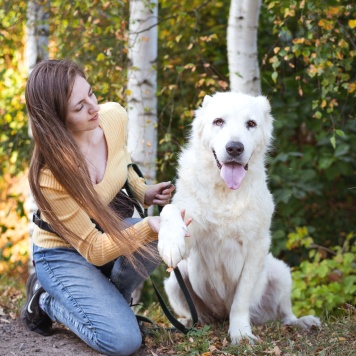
<point x="99" y="248"/>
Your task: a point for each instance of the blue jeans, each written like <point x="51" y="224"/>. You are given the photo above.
<point x="92" y="305"/>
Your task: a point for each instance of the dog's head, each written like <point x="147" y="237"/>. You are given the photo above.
<point x="233" y="127"/>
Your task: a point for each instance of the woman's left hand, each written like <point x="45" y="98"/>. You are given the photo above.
<point x="160" y="194"/>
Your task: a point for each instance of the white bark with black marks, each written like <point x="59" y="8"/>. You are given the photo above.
<point x="242" y="46"/>
<point x="142" y="86"/>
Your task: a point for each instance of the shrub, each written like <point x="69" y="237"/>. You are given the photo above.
<point x="327" y="280"/>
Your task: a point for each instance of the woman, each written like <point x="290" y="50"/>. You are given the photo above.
<point x="87" y="258"/>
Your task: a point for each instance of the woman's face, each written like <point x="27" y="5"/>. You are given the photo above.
<point x="82" y="108"/>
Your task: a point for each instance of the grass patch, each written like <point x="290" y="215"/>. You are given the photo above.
<point x="336" y="336"/>
<point x="12" y="295"/>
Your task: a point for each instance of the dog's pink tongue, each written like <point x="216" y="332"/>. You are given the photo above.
<point x="232" y="174"/>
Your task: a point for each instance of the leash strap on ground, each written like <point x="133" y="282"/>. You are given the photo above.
<point x="173" y="320"/>
<point x="187" y="296"/>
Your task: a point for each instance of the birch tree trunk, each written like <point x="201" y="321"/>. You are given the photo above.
<point x="242" y="46"/>
<point x="142" y="86"/>
<point x="37" y="30"/>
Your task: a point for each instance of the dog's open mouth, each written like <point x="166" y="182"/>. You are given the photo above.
<point x="231" y="172"/>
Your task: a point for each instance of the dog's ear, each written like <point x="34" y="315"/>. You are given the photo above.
<point x="197" y="124"/>
<point x="206" y="100"/>
<point x="264" y="104"/>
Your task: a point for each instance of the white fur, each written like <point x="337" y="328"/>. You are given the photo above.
<point x="171" y="244"/>
<point x="227" y="265"/>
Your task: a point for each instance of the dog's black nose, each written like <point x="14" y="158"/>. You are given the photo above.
<point x="234" y="149"/>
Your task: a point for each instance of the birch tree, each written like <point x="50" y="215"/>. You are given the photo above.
<point x="37" y="30"/>
<point x="142" y="85"/>
<point x="242" y="46"/>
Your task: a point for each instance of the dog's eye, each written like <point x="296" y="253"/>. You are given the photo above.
<point x="251" y="123"/>
<point x="218" y="122"/>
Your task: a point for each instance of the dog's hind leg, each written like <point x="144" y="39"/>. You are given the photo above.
<point x="276" y="303"/>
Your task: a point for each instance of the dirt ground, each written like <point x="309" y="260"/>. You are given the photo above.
<point x="16" y="340"/>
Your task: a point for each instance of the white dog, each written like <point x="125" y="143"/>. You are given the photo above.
<point x="226" y="262"/>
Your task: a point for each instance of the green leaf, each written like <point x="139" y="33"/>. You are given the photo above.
<point x="100" y="57"/>
<point x="180" y="69"/>
<point x="340" y="133"/>
<point x="333" y="141"/>
<point x="274" y="76"/>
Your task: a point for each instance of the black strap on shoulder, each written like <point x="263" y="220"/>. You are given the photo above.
<point x="42" y="224"/>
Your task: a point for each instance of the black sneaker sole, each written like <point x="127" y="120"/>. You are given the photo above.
<point x="42" y="325"/>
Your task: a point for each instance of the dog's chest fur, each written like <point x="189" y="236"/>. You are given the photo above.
<point x="225" y="224"/>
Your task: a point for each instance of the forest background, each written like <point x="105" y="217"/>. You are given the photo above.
<point x="307" y="55"/>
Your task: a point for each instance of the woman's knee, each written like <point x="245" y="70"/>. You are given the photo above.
<point x="122" y="343"/>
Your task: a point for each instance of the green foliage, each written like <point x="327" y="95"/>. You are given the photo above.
<point x="192" y="63"/>
<point x="327" y="279"/>
<point x="94" y="34"/>
<point x="309" y="75"/>
<point x="14" y="142"/>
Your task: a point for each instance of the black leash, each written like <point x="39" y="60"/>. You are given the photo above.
<point x="137" y="205"/>
<point x="174" y="321"/>
<point x="160" y="207"/>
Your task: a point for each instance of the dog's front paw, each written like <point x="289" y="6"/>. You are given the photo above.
<point x="236" y="339"/>
<point x="171" y="236"/>
<point x="241" y="331"/>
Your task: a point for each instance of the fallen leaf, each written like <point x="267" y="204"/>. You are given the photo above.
<point x="12" y="315"/>
<point x="277" y="351"/>
<point x="212" y="348"/>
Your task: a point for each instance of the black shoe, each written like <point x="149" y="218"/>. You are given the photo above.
<point x="34" y="317"/>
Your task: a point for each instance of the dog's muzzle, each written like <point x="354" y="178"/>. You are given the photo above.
<point x="234" y="149"/>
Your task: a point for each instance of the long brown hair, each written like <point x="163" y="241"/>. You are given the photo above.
<point x="48" y="90"/>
